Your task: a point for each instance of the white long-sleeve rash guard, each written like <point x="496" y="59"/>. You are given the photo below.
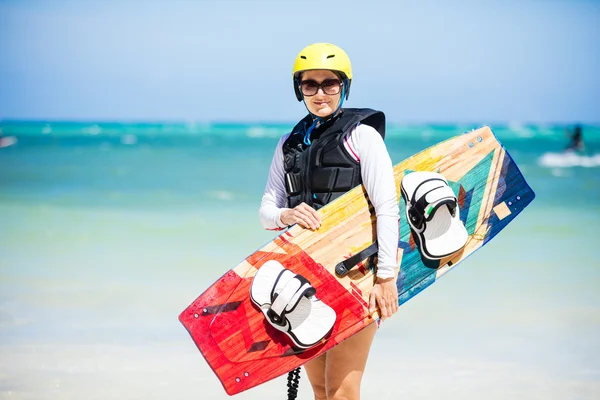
<point x="365" y="145"/>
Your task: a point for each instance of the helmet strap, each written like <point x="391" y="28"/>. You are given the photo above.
<point x="342" y="97"/>
<point x="316" y="122"/>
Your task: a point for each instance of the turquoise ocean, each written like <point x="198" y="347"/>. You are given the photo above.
<point x="109" y="230"/>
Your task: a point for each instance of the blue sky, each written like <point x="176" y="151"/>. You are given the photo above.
<point x="419" y="61"/>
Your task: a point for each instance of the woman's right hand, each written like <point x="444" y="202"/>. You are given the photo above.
<point x="303" y="215"/>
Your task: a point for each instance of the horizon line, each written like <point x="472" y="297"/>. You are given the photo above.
<point x="183" y="121"/>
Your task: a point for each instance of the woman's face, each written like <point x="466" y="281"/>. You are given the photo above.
<point x="321" y="104"/>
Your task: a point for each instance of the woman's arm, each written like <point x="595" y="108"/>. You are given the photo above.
<point x="274" y="197"/>
<point x="378" y="178"/>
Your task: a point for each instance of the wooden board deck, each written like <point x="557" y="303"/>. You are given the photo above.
<point x="244" y="350"/>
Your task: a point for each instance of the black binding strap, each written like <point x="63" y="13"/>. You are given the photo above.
<point x="345" y="266"/>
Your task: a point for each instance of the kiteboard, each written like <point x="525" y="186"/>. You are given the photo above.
<point x="232" y="333"/>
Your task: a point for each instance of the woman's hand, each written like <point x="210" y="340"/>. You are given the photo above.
<point x="303" y="215"/>
<point x="385" y="296"/>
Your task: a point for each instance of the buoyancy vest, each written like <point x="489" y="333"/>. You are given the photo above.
<point x="319" y="172"/>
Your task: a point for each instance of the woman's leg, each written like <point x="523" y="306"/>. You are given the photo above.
<point x="336" y="375"/>
<point x="346" y="363"/>
<point x="315" y="370"/>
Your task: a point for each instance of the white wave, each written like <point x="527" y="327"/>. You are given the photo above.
<point x="7" y="141"/>
<point x="426" y="134"/>
<point x="198" y="127"/>
<point x="262" y="132"/>
<point x="92" y="130"/>
<point x="524" y="132"/>
<point x="569" y="159"/>
<point x="222" y="195"/>
<point x="129" y="139"/>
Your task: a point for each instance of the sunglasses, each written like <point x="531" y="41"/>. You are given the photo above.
<point x="330" y="87"/>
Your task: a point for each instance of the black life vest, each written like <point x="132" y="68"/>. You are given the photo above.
<point x="323" y="171"/>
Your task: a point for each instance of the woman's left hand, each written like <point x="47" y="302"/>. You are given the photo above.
<point x="385" y="296"/>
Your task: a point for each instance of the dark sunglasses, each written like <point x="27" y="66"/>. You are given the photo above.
<point x="330" y="87"/>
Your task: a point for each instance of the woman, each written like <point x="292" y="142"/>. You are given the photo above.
<point x="329" y="152"/>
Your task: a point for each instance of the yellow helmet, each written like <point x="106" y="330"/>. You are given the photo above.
<point x="322" y="56"/>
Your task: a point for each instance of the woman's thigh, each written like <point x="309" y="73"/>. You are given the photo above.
<point x="345" y="364"/>
<point x="338" y="372"/>
<point x="315" y="370"/>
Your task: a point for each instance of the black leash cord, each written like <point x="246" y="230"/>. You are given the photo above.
<point x="292" y="383"/>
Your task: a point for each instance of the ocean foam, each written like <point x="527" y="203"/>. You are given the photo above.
<point x="568" y="159"/>
<point x="7" y="141"/>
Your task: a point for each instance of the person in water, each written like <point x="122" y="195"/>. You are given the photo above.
<point x="575" y="140"/>
<point x="328" y="152"/>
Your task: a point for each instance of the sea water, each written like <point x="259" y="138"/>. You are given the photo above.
<point x="109" y="230"/>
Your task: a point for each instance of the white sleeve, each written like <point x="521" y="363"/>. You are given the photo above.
<point x="378" y="178"/>
<point x="275" y="196"/>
